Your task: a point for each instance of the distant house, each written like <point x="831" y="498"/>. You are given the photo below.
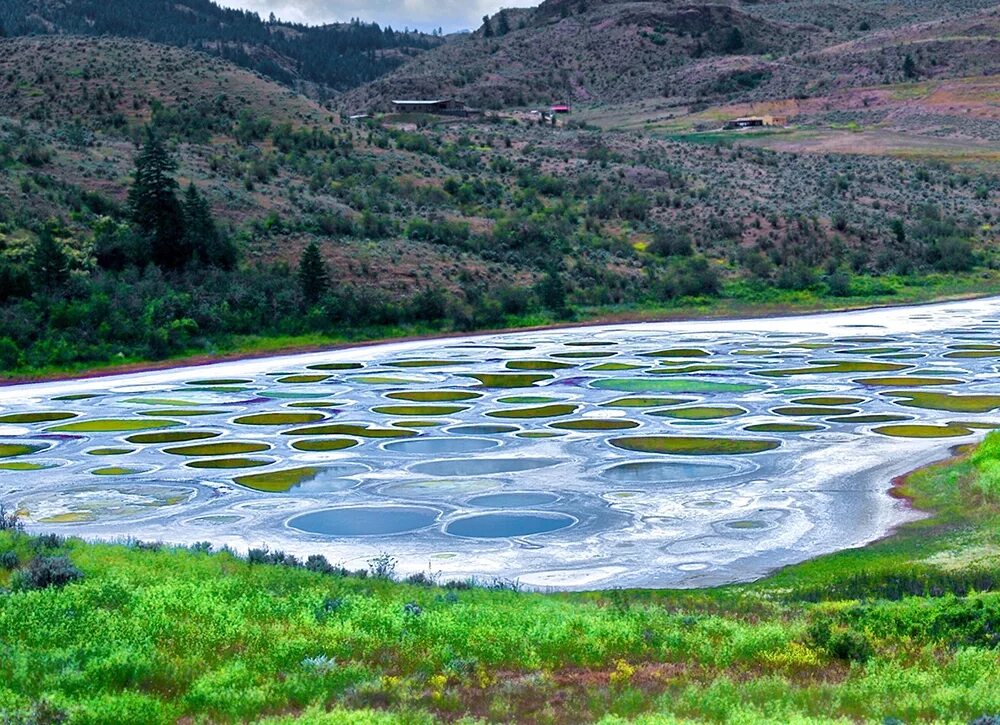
<point x="560" y="108"/>
<point x="441" y="106"/>
<point x="756" y="122"/>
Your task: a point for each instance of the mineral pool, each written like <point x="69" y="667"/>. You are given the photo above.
<point x="664" y="454"/>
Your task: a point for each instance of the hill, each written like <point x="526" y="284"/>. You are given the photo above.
<point x="318" y="60"/>
<point x="425" y="223"/>
<point x="612" y="52"/>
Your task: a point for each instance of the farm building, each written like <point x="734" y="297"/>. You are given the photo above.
<point x="756" y="122"/>
<point x="560" y="108"/>
<point x="441" y="106"/>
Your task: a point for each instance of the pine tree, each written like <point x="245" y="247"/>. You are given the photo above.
<point x="49" y="262"/>
<point x="314" y="279"/>
<point x="503" y="23"/>
<point x="487" y="28"/>
<point x="154" y="209"/>
<point x="909" y="67"/>
<point x="201" y="235"/>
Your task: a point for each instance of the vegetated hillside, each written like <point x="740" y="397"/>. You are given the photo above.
<point x="453" y="225"/>
<point x="330" y="57"/>
<point x="695" y="52"/>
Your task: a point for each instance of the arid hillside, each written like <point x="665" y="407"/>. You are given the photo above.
<point x="601" y="53"/>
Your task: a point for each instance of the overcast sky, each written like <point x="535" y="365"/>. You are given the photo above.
<point x="426" y="15"/>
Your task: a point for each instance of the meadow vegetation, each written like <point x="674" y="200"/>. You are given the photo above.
<point x="905" y="629"/>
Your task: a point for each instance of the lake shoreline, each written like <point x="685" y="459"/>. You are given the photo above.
<point x="751" y="312"/>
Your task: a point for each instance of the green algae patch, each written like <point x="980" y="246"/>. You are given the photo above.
<point x="527" y="399"/>
<point x="229" y="463"/>
<point x="915" y="430"/>
<point x="538" y="434"/>
<point x="336" y="366"/>
<point x="609" y="367"/>
<point x="689" y="369"/>
<point x="279" y="418"/>
<point x="945" y="401"/>
<point x="384" y="380"/>
<point x="418" y="423"/>
<point x="537" y="365"/>
<point x="223" y="448"/>
<point x="695" y="446"/>
<point x="425" y="363"/>
<point x="835" y="368"/>
<point x="596" y="424"/>
<point x="646" y="402"/>
<point x="831" y="401"/>
<point x="279" y="481"/>
<point x="110" y="451"/>
<point x="219" y="382"/>
<point x="298" y="379"/>
<point x="361" y="430"/>
<point x="176" y="402"/>
<point x="870" y="351"/>
<point x="972" y="354"/>
<point x="812" y="410"/>
<point x="582" y="355"/>
<point x="903" y="381"/>
<point x="541" y="411"/>
<point x="409" y="410"/>
<point x="870" y="418"/>
<point x="316" y="404"/>
<point x="783" y="428"/>
<point x="434" y="396"/>
<point x="180" y="436"/>
<point x="659" y="385"/>
<point x="25" y="466"/>
<point x="116" y="471"/>
<point x="701" y="412"/>
<point x="76" y="396"/>
<point x="324" y="444"/>
<point x="180" y="412"/>
<point x="115" y="425"/>
<point x="41" y="417"/>
<point x="680" y="352"/>
<point x="510" y="380"/>
<point x="69" y="517"/>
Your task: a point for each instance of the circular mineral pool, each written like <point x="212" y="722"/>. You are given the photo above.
<point x="439" y="446"/>
<point x="365" y="520"/>
<point x="663" y="472"/>
<point x="505" y="525"/>
<point x="514" y="499"/>
<point x="482" y="466"/>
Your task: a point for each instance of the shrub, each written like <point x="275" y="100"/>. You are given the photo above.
<point x="44" y="572"/>
<point x="9" y="520"/>
<point x="850" y="646"/>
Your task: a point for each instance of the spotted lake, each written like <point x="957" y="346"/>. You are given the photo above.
<point x="667" y="454"/>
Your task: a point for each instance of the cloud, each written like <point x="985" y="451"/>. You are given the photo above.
<point x="423" y="14"/>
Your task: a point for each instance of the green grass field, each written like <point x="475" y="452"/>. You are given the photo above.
<point x="905" y="630"/>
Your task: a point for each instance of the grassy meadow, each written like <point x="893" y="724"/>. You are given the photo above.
<point x="904" y="630"/>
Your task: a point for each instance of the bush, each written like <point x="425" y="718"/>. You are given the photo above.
<point x="9" y="520"/>
<point x="850" y="646"/>
<point x="44" y="572"/>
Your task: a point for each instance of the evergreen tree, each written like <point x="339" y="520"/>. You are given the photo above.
<point x="503" y="23"/>
<point x="49" y="262"/>
<point x="487" y="28"/>
<point x="551" y="291"/>
<point x="314" y="279"/>
<point x="909" y="67"/>
<point x="201" y="235"/>
<point x="734" y="41"/>
<point x="154" y="209"/>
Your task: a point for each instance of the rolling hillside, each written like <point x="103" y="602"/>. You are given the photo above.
<point x="611" y="52"/>
<point x="318" y="60"/>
